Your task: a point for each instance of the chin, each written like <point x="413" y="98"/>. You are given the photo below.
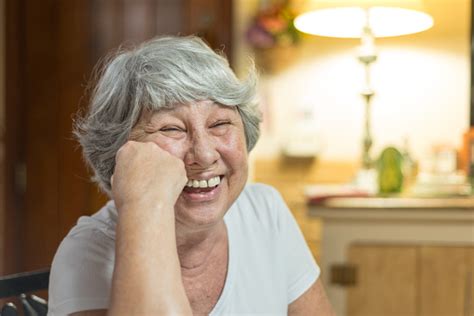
<point x="206" y="208"/>
<point x="202" y="210"/>
<point x="199" y="216"/>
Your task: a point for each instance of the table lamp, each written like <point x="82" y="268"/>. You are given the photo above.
<point x="364" y="19"/>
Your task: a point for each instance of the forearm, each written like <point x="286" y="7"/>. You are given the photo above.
<point x="313" y="302"/>
<point x="147" y="276"/>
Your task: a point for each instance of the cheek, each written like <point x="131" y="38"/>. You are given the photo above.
<point x="234" y="153"/>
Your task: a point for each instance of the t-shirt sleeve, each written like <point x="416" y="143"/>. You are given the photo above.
<point x="81" y="273"/>
<point x="301" y="268"/>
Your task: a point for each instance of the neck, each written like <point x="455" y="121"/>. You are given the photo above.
<point x="197" y="248"/>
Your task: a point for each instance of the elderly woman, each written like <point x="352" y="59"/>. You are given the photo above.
<point x="168" y="134"/>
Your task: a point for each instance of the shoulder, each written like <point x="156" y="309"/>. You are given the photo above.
<point x="260" y="204"/>
<point x="260" y="195"/>
<point x="81" y="245"/>
<point x="91" y="236"/>
<point x="82" y="267"/>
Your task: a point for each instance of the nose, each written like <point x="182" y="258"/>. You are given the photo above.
<point x="202" y="151"/>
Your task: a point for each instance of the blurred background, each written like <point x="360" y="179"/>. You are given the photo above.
<point x="370" y="141"/>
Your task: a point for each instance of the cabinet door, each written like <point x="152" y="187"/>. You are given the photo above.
<point x="446" y="281"/>
<point x="469" y="303"/>
<point x="385" y="283"/>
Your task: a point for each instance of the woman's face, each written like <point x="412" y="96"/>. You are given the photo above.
<point x="210" y="140"/>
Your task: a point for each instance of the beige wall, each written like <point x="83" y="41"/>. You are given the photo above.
<point x="422" y="92"/>
<point x="421" y="83"/>
<point x="242" y="13"/>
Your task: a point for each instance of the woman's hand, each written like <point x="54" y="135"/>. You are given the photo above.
<point x="145" y="175"/>
<point x="147" y="277"/>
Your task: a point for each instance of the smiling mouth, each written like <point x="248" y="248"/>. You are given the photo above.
<point x="201" y="186"/>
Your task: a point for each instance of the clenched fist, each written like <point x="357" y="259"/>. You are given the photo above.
<point x="146" y="175"/>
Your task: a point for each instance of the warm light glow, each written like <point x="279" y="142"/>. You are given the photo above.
<point x="349" y="22"/>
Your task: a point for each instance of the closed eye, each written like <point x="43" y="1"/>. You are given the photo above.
<point x="173" y="131"/>
<point x="220" y="123"/>
<point x="170" y="129"/>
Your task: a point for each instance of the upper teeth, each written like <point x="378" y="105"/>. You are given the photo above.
<point x="212" y="182"/>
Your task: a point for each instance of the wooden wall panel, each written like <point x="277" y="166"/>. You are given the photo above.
<point x="42" y="155"/>
<point x="14" y="135"/>
<point x="209" y="19"/>
<point x="74" y="65"/>
<point x="106" y="28"/>
<point x="2" y="127"/>
<point x="138" y="20"/>
<point x="170" y="17"/>
<point x="51" y="48"/>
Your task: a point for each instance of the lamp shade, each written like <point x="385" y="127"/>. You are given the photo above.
<point x="347" y="18"/>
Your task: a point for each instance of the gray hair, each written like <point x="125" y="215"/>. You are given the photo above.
<point x="160" y="73"/>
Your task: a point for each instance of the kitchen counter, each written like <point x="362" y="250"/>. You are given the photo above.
<point x="397" y="203"/>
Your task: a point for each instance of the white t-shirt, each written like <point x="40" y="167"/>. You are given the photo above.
<point x="269" y="267"/>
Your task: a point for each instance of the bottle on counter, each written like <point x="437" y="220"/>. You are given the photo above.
<point x="466" y="157"/>
<point x="409" y="166"/>
<point x="469" y="140"/>
<point x="390" y="174"/>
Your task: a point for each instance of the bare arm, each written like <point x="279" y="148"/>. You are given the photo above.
<point x="313" y="302"/>
<point x="147" y="277"/>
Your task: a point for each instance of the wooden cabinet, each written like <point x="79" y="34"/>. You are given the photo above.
<point x="445" y="281"/>
<point x="411" y="280"/>
<point x="411" y="256"/>
<point x="385" y="281"/>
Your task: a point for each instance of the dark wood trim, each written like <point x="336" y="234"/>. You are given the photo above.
<point x="211" y="20"/>
<point x="43" y="90"/>
<point x="15" y="52"/>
